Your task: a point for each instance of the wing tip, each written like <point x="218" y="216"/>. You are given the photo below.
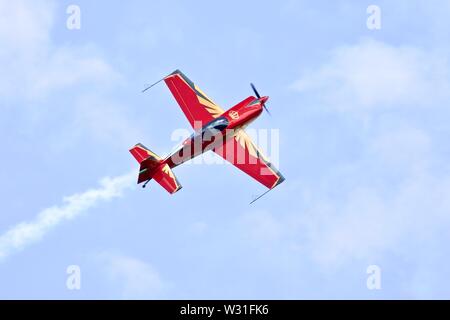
<point x="280" y="180"/>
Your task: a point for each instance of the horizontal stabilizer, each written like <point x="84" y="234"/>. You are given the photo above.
<point x="141" y="153"/>
<point x="165" y="177"/>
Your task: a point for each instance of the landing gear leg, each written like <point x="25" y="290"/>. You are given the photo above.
<point x="143" y="186"/>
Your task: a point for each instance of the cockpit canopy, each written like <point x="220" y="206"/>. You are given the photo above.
<point x="218" y="124"/>
<point x="213" y="127"/>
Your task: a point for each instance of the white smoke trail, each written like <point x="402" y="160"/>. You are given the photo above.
<point x="27" y="232"/>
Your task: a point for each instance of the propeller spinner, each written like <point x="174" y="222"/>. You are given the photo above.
<point x="263" y="99"/>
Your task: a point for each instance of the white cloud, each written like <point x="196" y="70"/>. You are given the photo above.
<point x="28" y="232"/>
<point x="372" y="74"/>
<point x="366" y="224"/>
<point x="395" y="203"/>
<point x="24" y="26"/>
<point x="67" y="66"/>
<point x="403" y="147"/>
<point x="116" y="125"/>
<point x="138" y="279"/>
<point x="387" y="200"/>
<point x="36" y="67"/>
<point x="32" y="65"/>
<point x="369" y="224"/>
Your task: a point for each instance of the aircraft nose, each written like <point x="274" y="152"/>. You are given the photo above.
<point x="264" y="99"/>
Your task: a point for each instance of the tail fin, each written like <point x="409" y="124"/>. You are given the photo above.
<point x="153" y="167"/>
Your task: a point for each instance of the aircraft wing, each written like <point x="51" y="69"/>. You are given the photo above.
<point x="242" y="153"/>
<point x="196" y="106"/>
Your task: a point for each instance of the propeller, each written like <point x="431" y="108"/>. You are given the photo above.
<point x="259" y="97"/>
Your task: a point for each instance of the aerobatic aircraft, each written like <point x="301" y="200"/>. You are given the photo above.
<point x="215" y="129"/>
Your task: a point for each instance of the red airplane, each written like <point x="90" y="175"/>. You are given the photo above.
<point x="215" y="129"/>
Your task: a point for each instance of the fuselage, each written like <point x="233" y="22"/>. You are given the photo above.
<point x="216" y="132"/>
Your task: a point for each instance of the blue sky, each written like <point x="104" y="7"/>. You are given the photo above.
<point x="363" y="122"/>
